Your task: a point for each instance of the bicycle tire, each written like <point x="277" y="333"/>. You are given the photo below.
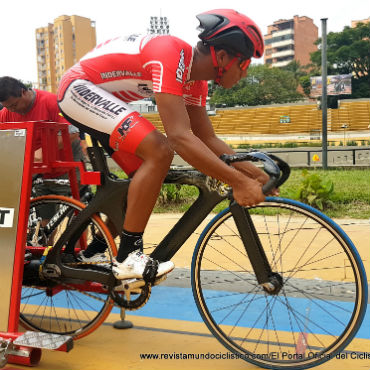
<point x="68" y="311"/>
<point x="320" y="307"/>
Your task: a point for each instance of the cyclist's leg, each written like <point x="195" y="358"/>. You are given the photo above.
<point x="133" y="143"/>
<point x="156" y="158"/>
<point x="135" y="136"/>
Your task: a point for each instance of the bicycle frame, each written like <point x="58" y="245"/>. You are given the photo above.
<point x="110" y="200"/>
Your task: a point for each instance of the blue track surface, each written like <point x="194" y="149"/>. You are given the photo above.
<point x="178" y="304"/>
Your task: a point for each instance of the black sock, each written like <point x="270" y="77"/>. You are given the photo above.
<point x="130" y="242"/>
<point x="98" y="245"/>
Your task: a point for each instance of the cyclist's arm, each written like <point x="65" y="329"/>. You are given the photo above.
<point x="202" y="128"/>
<point x="38" y="155"/>
<point x="192" y="149"/>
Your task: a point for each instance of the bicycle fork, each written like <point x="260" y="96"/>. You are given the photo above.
<point x="270" y="281"/>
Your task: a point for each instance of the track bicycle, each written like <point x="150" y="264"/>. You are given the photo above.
<point x="269" y="281"/>
<point x="46" y="218"/>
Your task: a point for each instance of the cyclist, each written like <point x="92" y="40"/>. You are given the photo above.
<point x="94" y="93"/>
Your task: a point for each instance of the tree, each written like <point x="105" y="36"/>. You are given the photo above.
<point x="296" y="68"/>
<point x="301" y="74"/>
<point x="263" y="85"/>
<point x="349" y="52"/>
<point x="305" y="83"/>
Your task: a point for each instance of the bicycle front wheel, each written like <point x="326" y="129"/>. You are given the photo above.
<point x="55" y="305"/>
<point x="320" y="306"/>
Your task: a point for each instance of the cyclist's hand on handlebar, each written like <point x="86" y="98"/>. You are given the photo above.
<point x="263" y="178"/>
<point x="250" y="170"/>
<point x="248" y="192"/>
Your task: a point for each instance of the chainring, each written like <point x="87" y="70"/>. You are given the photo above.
<point x="124" y="298"/>
<point x="121" y="298"/>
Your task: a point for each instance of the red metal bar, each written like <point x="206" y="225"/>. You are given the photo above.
<point x="62" y="163"/>
<point x="32" y="359"/>
<point x="24" y="206"/>
<point x="53" y="161"/>
<point x="68" y="156"/>
<point x="87" y="177"/>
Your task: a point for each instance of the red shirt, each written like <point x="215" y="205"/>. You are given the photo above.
<point x="136" y="67"/>
<point x="45" y="108"/>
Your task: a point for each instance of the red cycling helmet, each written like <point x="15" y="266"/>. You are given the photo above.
<point x="232" y="31"/>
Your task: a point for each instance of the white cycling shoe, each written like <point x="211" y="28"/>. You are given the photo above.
<point x="98" y="258"/>
<point x="137" y="265"/>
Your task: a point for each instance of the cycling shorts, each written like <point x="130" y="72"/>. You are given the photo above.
<point x="110" y="120"/>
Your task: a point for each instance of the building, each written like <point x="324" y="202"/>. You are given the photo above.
<point x="60" y="45"/>
<point x="355" y="23"/>
<point x="290" y="39"/>
<point x="159" y="26"/>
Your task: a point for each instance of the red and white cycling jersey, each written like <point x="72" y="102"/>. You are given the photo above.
<point x="136" y="67"/>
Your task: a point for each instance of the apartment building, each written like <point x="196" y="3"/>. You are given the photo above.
<point x="355" y="23"/>
<point x="60" y="45"/>
<point x="290" y="39"/>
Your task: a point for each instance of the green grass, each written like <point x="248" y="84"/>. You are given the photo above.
<point x="351" y="196"/>
<point x="351" y="191"/>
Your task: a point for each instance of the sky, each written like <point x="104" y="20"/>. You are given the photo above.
<point x="19" y="20"/>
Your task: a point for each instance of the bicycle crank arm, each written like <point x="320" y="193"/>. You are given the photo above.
<point x="133" y="284"/>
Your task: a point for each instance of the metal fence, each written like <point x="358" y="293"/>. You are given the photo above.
<point x="337" y="157"/>
<point x="306" y="157"/>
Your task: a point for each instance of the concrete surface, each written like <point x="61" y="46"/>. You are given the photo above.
<point x="170" y="326"/>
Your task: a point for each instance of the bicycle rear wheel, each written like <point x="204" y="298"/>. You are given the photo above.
<point x="56" y="305"/>
<point x="320" y="306"/>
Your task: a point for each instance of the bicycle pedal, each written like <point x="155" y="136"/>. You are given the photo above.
<point x="160" y="280"/>
<point x="129" y="284"/>
<point x="136" y="284"/>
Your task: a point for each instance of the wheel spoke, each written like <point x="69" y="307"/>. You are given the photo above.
<point x="59" y="307"/>
<point x="313" y="310"/>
